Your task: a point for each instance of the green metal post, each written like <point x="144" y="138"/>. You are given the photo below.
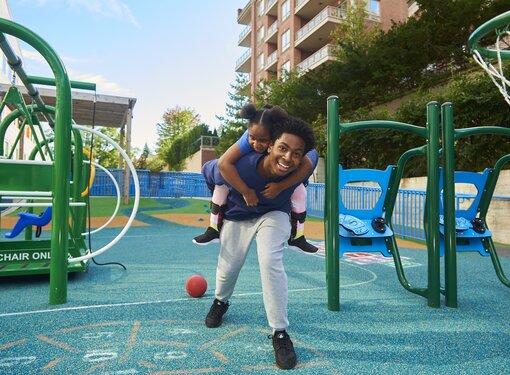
<point x="432" y="219"/>
<point x="62" y="144"/>
<point x="450" y="254"/>
<point x="331" y="206"/>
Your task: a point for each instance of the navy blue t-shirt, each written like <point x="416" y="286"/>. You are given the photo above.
<point x="246" y="166"/>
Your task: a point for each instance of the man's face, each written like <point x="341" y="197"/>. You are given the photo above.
<point x="285" y="154"/>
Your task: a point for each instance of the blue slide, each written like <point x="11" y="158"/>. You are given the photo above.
<point x="26" y="219"/>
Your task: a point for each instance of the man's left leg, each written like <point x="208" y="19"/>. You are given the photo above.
<point x="273" y="231"/>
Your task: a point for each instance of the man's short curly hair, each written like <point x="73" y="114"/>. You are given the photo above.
<point x="295" y="126"/>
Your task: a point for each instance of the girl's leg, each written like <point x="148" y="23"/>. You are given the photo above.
<point x="212" y="233"/>
<point x="219" y="198"/>
<point x="297" y="217"/>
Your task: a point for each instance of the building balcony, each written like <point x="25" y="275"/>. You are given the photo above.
<point x="317" y="33"/>
<point x="272" y="7"/>
<point x="245" y="37"/>
<point x="243" y="64"/>
<point x="244" y="15"/>
<point x="272" y="62"/>
<point x="309" y="8"/>
<point x="323" y="55"/>
<point x="272" y="33"/>
<point x="413" y="8"/>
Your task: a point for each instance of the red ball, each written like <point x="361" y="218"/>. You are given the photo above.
<point x="196" y="286"/>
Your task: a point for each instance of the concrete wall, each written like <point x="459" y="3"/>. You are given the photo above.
<point x="498" y="216"/>
<point x="194" y="162"/>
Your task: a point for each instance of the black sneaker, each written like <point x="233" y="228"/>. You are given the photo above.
<point x="211" y="235"/>
<point x="301" y="243"/>
<point x="283" y="350"/>
<point x="215" y="316"/>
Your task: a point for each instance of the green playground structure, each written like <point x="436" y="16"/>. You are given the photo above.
<point x="334" y="233"/>
<point x="48" y="178"/>
<point x="448" y="229"/>
<point x="477" y="237"/>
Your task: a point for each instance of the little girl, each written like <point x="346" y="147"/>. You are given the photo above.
<point x="257" y="138"/>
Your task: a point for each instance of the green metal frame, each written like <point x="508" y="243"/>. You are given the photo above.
<point x="431" y="136"/>
<point x="61" y="166"/>
<point x="450" y="135"/>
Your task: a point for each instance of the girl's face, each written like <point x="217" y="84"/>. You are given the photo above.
<point x="259" y="138"/>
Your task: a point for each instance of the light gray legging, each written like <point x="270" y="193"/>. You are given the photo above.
<point x="272" y="230"/>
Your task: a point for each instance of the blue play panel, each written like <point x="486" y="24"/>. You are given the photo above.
<point x="140" y="320"/>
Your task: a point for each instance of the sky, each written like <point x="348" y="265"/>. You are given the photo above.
<point x="164" y="53"/>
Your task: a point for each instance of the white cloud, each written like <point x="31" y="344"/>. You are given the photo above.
<point x="104" y="86"/>
<point x="107" y="8"/>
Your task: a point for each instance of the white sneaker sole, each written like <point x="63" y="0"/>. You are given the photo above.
<point x="300" y="249"/>
<point x="216" y="240"/>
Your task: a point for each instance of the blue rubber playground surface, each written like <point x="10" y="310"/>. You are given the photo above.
<point x="141" y="320"/>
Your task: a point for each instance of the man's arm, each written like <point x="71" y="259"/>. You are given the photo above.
<point x="302" y="172"/>
<point x="228" y="170"/>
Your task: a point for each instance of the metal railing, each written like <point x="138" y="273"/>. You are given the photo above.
<point x="407" y="216"/>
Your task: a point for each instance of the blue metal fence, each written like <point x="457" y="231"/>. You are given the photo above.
<point x="407" y="215"/>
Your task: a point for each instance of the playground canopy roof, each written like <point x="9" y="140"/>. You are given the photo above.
<point x="111" y="111"/>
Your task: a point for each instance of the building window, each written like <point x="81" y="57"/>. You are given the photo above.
<point x="260" y="62"/>
<point x="285" y="68"/>
<point x="373" y="6"/>
<point x="260" y="34"/>
<point x="285" y="40"/>
<point x="260" y="8"/>
<point x="285" y="9"/>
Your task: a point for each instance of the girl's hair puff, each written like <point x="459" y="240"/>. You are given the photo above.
<point x="268" y="116"/>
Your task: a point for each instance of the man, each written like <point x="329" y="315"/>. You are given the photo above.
<point x="269" y="222"/>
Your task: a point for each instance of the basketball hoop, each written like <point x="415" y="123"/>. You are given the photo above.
<point x="494" y="33"/>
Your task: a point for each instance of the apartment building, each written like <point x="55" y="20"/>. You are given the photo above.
<point x="294" y="35"/>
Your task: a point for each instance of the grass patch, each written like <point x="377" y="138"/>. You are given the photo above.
<point x="195" y="206"/>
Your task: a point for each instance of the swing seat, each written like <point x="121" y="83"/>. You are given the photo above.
<point x="26" y="219"/>
<point x="469" y="230"/>
<point x="461" y="223"/>
<point x="352" y="224"/>
<point x="364" y="230"/>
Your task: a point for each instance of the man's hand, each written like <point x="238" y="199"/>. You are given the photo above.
<point x="271" y="190"/>
<point x="250" y="197"/>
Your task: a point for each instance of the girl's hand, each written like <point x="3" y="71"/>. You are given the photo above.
<point x="250" y="197"/>
<point x="271" y="190"/>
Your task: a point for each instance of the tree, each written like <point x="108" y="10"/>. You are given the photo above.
<point x="353" y="35"/>
<point x="103" y="153"/>
<point x="176" y="122"/>
<point x="141" y="162"/>
<point x="184" y="146"/>
<point x="232" y="127"/>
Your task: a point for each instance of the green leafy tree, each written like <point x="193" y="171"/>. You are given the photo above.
<point x="141" y="162"/>
<point x="176" y="122"/>
<point x="103" y="153"/>
<point x="232" y="127"/>
<point x="184" y="146"/>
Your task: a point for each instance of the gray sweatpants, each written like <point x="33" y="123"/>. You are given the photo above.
<point x="272" y="230"/>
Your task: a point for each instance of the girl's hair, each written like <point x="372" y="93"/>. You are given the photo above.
<point x="268" y="116"/>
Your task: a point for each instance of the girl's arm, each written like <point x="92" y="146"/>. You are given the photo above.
<point x="274" y="188"/>
<point x="226" y="164"/>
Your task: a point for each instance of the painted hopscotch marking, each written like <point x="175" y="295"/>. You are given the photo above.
<point x="123" y="348"/>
